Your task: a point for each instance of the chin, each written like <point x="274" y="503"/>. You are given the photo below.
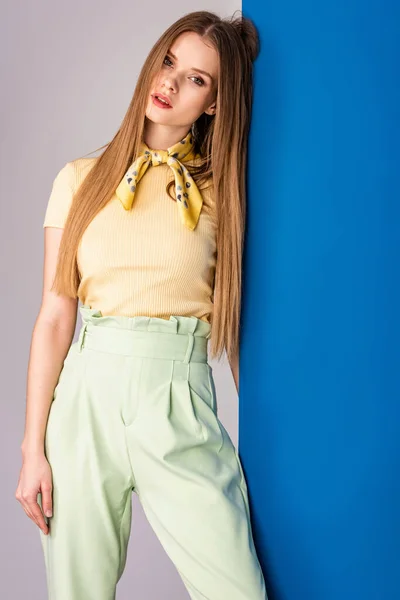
<point x="155" y="118"/>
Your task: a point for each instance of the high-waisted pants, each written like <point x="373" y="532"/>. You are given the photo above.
<point x="134" y="410"/>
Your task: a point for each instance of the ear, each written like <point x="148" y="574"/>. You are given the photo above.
<point x="211" y="109"/>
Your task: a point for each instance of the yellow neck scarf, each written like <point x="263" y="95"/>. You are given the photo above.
<point x="189" y="198"/>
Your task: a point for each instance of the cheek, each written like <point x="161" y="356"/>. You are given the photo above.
<point x="196" y="101"/>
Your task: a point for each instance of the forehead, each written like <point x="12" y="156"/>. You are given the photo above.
<point x="193" y="51"/>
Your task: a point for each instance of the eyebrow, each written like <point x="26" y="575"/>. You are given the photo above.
<point x="194" y="68"/>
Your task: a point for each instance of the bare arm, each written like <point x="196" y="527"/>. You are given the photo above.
<point x="51" y="338"/>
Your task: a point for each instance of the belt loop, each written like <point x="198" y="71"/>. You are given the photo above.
<point x="189" y="347"/>
<point x="191" y="328"/>
<point x="82" y="336"/>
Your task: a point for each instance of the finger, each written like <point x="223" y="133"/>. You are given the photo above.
<point x="47" y="503"/>
<point x="28" y="511"/>
<point x="37" y="515"/>
<point x="25" y="500"/>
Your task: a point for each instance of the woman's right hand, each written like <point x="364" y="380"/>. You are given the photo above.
<point x="36" y="477"/>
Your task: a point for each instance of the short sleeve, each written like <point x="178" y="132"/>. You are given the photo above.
<point x="60" y="200"/>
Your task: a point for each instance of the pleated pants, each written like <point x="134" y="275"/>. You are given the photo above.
<point x="135" y="410"/>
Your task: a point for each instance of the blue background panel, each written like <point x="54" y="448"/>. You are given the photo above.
<point x="319" y="406"/>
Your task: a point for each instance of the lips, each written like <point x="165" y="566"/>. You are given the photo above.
<point x="163" y="97"/>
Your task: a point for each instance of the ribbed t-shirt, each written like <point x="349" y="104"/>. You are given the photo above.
<point x="142" y="261"/>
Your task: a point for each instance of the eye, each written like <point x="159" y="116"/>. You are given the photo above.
<point x="198" y="79"/>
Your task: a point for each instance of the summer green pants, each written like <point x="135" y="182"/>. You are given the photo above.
<point x="135" y="409"/>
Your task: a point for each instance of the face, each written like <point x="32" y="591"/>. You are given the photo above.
<point x="188" y="78"/>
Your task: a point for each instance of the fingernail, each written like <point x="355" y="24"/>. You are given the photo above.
<point x="48" y="513"/>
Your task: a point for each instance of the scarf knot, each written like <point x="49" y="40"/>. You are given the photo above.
<point x="188" y="197"/>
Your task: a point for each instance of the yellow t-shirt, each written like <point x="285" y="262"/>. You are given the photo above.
<point x="143" y="261"/>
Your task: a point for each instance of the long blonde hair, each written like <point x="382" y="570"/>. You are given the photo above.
<point x="221" y="141"/>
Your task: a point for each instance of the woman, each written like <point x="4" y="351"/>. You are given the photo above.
<point x="131" y="406"/>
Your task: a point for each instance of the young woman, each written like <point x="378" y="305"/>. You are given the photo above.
<point x="134" y="234"/>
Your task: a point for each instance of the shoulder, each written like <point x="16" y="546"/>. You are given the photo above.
<point x="72" y="172"/>
<point x="77" y="170"/>
<point x="65" y="184"/>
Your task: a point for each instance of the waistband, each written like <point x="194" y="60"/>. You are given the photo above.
<point x="179" y="338"/>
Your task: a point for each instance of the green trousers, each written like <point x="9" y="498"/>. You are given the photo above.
<point x="134" y="410"/>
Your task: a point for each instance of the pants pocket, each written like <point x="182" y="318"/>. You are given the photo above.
<point x="204" y="398"/>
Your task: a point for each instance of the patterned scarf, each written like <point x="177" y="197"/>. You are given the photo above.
<point x="189" y="198"/>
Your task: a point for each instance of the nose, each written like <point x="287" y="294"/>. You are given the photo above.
<point x="169" y="83"/>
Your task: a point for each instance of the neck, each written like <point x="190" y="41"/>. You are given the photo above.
<point x="162" y="137"/>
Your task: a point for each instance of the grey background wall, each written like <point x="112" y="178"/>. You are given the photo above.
<point x="68" y="72"/>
